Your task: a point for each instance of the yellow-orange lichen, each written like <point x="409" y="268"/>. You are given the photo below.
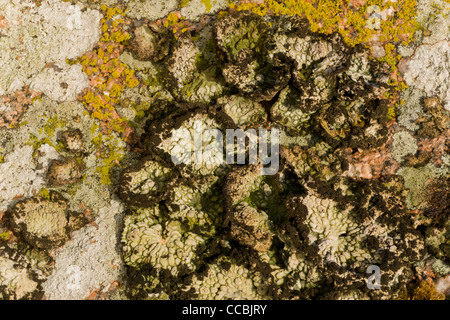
<point x="369" y="22"/>
<point x="108" y="75"/>
<point x="424" y="290"/>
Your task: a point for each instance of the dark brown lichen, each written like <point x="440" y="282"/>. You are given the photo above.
<point x="64" y="171"/>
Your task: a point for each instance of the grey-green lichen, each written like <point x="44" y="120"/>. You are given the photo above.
<point x="304" y="232"/>
<point x="189" y="225"/>
<point x="318" y="160"/>
<point x="225" y="280"/>
<point x="204" y="131"/>
<point x="190" y="81"/>
<point x="202" y="229"/>
<point x="198" y="204"/>
<point x="163" y="245"/>
<point x="297" y="267"/>
<point x="244" y="112"/>
<point x="286" y="111"/>
<point x="242" y="41"/>
<point x="44" y="222"/>
<point x="418" y="179"/>
<point x="251" y="227"/>
<point x="438" y="240"/>
<point x="403" y="144"/>
<point x="338" y="238"/>
<point x="354" y="226"/>
<point x="150" y="181"/>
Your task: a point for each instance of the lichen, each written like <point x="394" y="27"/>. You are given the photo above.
<point x="37" y="37"/>
<point x="403" y="144"/>
<point x="424" y="290"/>
<point x="223" y="283"/>
<point x="152" y="179"/>
<point x="374" y="24"/>
<point x="305" y="230"/>
<point x="353" y="234"/>
<point x="247" y="63"/>
<point x="418" y="179"/>
<point x="353" y="189"/>
<point x="18" y="280"/>
<point x="108" y="76"/>
<point x="318" y="161"/>
<point x="162" y="245"/>
<point x="191" y="81"/>
<point x="244" y="112"/>
<point x="44" y="222"/>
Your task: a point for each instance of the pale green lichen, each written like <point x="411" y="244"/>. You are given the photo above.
<point x="251" y="227"/>
<point x="306" y="227"/>
<point x="417" y="180"/>
<point x="297" y="267"/>
<point x="150" y="180"/>
<point x="42" y="222"/>
<point x="338" y="238"/>
<point x="329" y="17"/>
<point x="318" y="160"/>
<point x="255" y="190"/>
<point x="208" y="156"/>
<point x="199" y="206"/>
<point x="162" y="245"/>
<point x="286" y="111"/>
<point x="233" y="282"/>
<point x="403" y="144"/>
<point x="244" y="112"/>
<point x="247" y="63"/>
<point x="192" y="81"/>
<point x="438" y="241"/>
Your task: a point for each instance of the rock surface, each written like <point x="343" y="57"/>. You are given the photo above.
<point x="128" y="167"/>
